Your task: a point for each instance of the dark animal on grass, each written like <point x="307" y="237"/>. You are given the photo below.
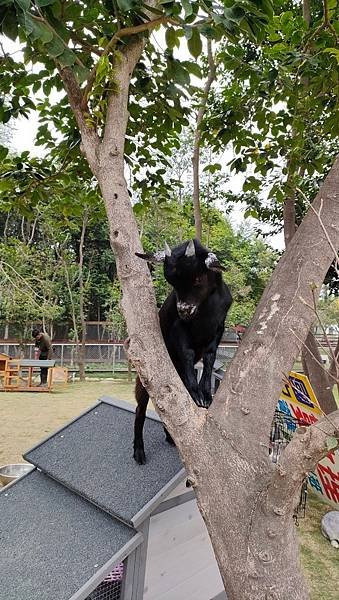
<point x="192" y="323"/>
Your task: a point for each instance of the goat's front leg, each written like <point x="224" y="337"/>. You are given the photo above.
<point x="188" y="375"/>
<point x="205" y="383"/>
<point x="183" y="358"/>
<point x="141" y="396"/>
<point x="208" y="358"/>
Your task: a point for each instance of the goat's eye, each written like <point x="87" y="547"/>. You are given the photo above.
<point x="197" y="281"/>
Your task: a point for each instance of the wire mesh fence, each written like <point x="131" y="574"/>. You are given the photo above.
<point x="111" y="587"/>
<point x="98" y="356"/>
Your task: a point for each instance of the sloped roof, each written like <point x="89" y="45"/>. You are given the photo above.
<point x="52" y="541"/>
<point x="62" y="529"/>
<point x="93" y="457"/>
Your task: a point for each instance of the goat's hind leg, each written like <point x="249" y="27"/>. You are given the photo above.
<point x="169" y="438"/>
<point x="141" y="396"/>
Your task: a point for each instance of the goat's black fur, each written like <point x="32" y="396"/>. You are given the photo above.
<point x="192" y="323"/>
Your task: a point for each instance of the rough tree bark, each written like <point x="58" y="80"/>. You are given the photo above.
<point x="246" y="501"/>
<point x="197" y="139"/>
<point x="82" y="345"/>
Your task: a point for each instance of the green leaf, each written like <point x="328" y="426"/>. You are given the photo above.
<point x="41" y="32"/>
<point x="235" y="14"/>
<point x="251" y="212"/>
<point x="250" y="184"/>
<point x="5" y="185"/>
<point x="81" y="73"/>
<point x="171" y="38"/>
<point x="55" y="47"/>
<point x="180" y="74"/>
<point x="26" y="21"/>
<point x="331" y="443"/>
<point x="188" y="8"/>
<point x="125" y="5"/>
<point x="44" y="2"/>
<point x="10" y="25"/>
<point x="67" y="58"/>
<point x="3" y="152"/>
<point x="192" y="67"/>
<point x="194" y="44"/>
<point x="23" y="4"/>
<point x="212" y="168"/>
<point x="334" y="52"/>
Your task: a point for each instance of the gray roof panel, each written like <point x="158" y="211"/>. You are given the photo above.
<point x="53" y="542"/>
<point x="93" y="457"/>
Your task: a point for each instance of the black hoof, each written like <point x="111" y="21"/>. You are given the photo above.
<point x="139" y="456"/>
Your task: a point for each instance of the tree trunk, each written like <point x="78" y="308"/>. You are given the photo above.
<point x="316" y="372"/>
<point x="196" y="143"/>
<point x="257" y="548"/>
<point x="82" y="346"/>
<point x="289" y="218"/>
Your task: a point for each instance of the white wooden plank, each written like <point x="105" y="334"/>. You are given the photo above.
<point x="181" y="563"/>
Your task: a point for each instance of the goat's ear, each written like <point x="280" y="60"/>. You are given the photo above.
<point x="213" y="264"/>
<point x="156" y="257"/>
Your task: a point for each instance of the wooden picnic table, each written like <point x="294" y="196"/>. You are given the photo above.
<point x="14" y="378"/>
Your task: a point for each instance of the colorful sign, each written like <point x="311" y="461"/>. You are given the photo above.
<point x="299" y="401"/>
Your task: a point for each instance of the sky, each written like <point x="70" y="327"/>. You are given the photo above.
<point x="25" y="131"/>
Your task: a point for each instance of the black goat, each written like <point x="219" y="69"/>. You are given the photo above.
<point x="192" y="323"/>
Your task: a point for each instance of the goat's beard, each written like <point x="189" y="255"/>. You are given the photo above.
<point x="186" y="311"/>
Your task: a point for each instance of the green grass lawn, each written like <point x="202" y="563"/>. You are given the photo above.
<point x="319" y="559"/>
<point x="27" y="417"/>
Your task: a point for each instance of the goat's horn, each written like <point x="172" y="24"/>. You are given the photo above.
<point x="212" y="263"/>
<point x="168" y="250"/>
<point x="190" y="250"/>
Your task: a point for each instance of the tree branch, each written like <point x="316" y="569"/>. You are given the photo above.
<point x="121" y="33"/>
<point x="117" y="109"/>
<point x="307" y="447"/>
<point x="197" y="138"/>
<point x="318" y="213"/>
<point x="326" y="24"/>
<point x="90" y="138"/>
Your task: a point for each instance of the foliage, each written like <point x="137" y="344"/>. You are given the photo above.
<point x="29" y="288"/>
<point x="329" y="312"/>
<point x="88" y="39"/>
<point x="42" y="202"/>
<point x="114" y="312"/>
<point x="278" y="108"/>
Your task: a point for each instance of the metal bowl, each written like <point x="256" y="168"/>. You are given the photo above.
<point x="9" y="473"/>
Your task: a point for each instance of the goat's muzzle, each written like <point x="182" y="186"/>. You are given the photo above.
<point x="186" y="311"/>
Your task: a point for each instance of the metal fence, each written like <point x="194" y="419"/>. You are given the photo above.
<point x="105" y="356"/>
<point x="99" y="356"/>
<point x="111" y="587"/>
